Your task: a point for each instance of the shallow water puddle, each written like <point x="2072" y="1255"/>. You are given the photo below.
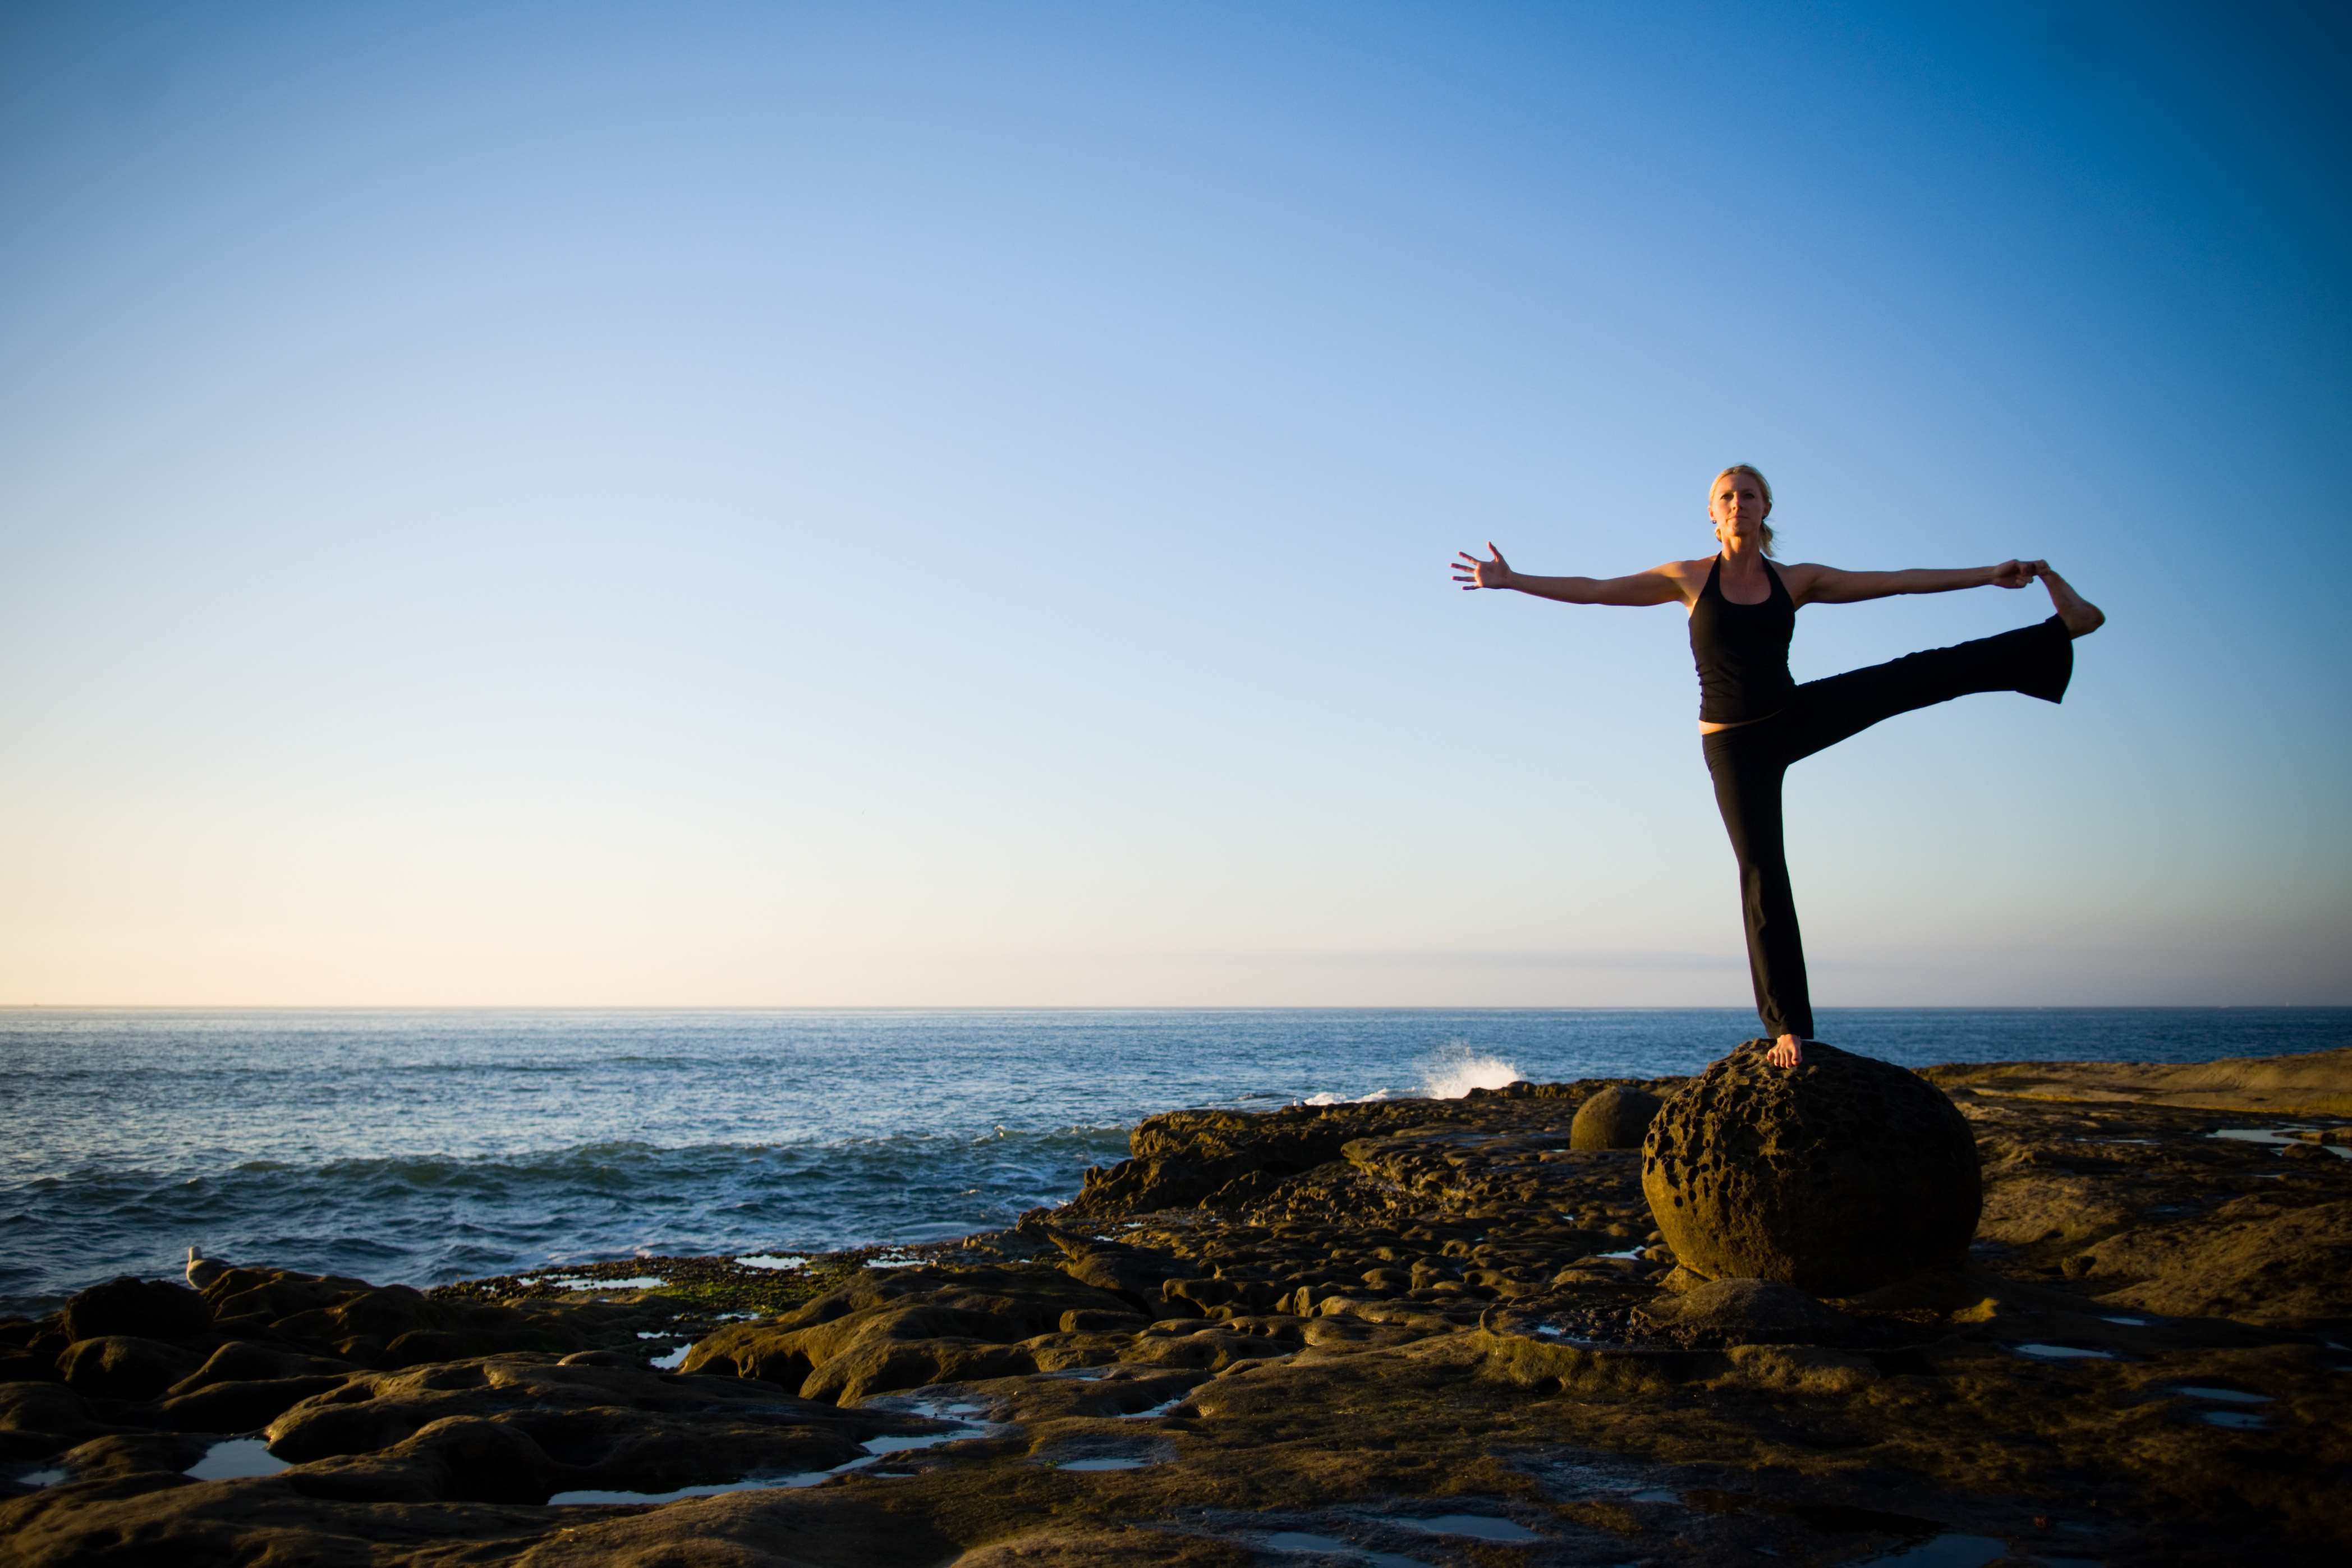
<point x="673" y="1360"/>
<point x="1946" y="1552"/>
<point x="876" y="1449"/>
<point x="2229" y="1396"/>
<point x="2283" y="1137"/>
<point x="2128" y="1323"/>
<point x="236" y="1460"/>
<point x="634" y="1283"/>
<point x="1104" y="1464"/>
<point x="2062" y="1353"/>
<point x="1300" y="1541"/>
<point x="1482" y="1526"/>
<point x="1657" y="1494"/>
<point x="772" y="1261"/>
<point x="1160" y="1409"/>
<point x="2235" y="1420"/>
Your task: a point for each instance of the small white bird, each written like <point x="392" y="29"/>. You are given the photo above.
<point x="203" y="1270"/>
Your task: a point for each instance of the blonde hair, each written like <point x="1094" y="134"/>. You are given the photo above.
<point x="1762" y="483"/>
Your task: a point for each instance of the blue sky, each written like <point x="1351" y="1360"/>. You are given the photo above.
<point x="911" y="505"/>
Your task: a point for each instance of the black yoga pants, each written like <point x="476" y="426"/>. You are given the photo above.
<point x="1747" y="763"/>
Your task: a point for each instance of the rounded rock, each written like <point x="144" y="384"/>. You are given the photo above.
<point x="1612" y="1119"/>
<point x="1837" y="1176"/>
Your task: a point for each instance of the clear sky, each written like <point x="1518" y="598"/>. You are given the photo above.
<point x="948" y="503"/>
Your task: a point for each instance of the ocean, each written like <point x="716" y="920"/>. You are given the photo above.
<point x="424" y="1146"/>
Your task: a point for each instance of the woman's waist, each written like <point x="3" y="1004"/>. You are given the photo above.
<point x="1711" y="727"/>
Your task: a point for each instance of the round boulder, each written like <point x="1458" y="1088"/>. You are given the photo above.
<point x="1837" y="1176"/>
<point x="1612" y="1119"/>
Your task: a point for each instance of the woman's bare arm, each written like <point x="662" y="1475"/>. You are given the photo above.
<point x="1659" y="585"/>
<point x="1812" y="584"/>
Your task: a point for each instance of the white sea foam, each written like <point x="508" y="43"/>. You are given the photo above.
<point x="1457" y="1068"/>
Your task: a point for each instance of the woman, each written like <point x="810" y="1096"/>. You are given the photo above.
<point x="1755" y="720"/>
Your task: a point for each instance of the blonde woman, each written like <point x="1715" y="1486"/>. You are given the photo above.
<point x="1754" y="720"/>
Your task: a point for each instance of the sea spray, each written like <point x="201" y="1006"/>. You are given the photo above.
<point x="1458" y="1068"/>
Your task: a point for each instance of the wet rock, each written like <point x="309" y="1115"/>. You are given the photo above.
<point x="1612" y="1119"/>
<point x="1746" y="1311"/>
<point x="242" y="1361"/>
<point x="1799" y="1368"/>
<point x="392" y="1326"/>
<point x="138" y="1309"/>
<point x="1089" y="1320"/>
<point x="38" y="1419"/>
<point x="877" y="1366"/>
<point x="2309" y="1084"/>
<point x="458" y="1459"/>
<point x="1133" y="1274"/>
<point x="132" y="1453"/>
<point x="2260" y="1260"/>
<point x="1838" y="1176"/>
<point x="121" y="1366"/>
<point x="512" y="1428"/>
<point x="874" y="1325"/>
<point x="240" y="1406"/>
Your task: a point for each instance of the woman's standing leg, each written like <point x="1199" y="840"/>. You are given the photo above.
<point x="1746" y="765"/>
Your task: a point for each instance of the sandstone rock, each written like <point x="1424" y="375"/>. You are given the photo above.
<point x="132" y="1453"/>
<point x="1612" y="1119"/>
<point x="121" y="1366"/>
<point x="1746" y="1311"/>
<point x="1091" y="1319"/>
<point x="139" y="1308"/>
<point x="868" y="1324"/>
<point x="237" y="1407"/>
<point x="2317" y="1082"/>
<point x="41" y="1418"/>
<point x="1838" y="1176"/>
<point x="242" y="1361"/>
<point x="2258" y="1260"/>
<point x="1133" y="1274"/>
<point x="1799" y="1368"/>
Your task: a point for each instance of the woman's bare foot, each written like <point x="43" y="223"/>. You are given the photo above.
<point x="1787" y="1051"/>
<point x="2078" y="614"/>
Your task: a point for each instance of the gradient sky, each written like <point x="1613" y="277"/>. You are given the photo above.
<point x="908" y="504"/>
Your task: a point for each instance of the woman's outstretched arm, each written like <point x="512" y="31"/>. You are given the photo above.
<point x="1659" y="585"/>
<point x="1812" y="584"/>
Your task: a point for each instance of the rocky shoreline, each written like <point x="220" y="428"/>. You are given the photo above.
<point x="1409" y="1332"/>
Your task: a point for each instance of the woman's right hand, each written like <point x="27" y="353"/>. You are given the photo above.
<point x="1471" y="573"/>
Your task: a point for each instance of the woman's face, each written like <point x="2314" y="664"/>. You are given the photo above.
<point x="1736" y="505"/>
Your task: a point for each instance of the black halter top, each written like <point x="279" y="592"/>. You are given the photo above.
<point x="1742" y="650"/>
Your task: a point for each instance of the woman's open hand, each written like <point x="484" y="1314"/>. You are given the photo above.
<point x="2015" y="574"/>
<point x="1471" y="573"/>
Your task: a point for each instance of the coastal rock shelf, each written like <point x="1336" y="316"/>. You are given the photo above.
<point x="1404" y="1332"/>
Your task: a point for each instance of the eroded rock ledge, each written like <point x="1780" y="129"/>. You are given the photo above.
<point x="1425" y="1329"/>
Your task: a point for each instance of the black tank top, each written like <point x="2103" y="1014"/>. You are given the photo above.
<point x="1742" y="650"/>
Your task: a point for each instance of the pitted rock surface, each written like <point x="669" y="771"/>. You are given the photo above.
<point x="1837" y="1176"/>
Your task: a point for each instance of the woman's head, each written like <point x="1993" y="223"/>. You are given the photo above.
<point x="1740" y="500"/>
